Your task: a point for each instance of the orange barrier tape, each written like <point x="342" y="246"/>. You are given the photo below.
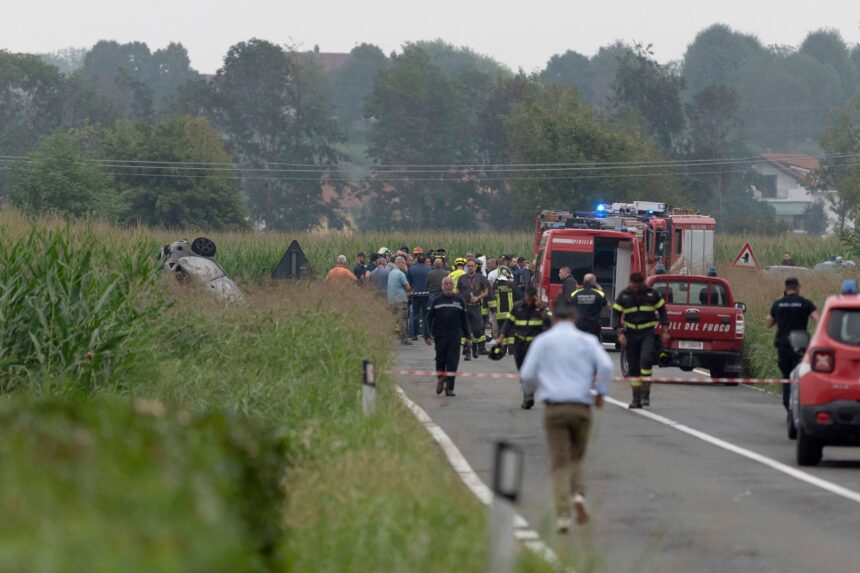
<point x="655" y="379"/>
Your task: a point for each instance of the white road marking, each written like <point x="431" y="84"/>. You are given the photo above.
<point x="749" y="454"/>
<point x="523" y="532"/>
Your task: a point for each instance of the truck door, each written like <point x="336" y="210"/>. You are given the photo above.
<point x="623" y="255"/>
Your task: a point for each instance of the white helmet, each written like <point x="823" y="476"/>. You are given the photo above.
<point x="383" y="251"/>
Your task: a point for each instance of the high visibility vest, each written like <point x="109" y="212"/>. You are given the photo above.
<point x="456" y="276"/>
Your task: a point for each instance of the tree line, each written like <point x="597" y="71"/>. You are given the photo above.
<point x="432" y="136"/>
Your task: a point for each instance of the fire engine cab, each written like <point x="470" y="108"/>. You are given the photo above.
<point x="616" y="240"/>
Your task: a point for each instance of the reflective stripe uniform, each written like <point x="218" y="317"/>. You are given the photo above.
<point x="523" y="326"/>
<point x="637" y="314"/>
<point x="506" y="294"/>
<point x="468" y="286"/>
<point x="589" y="303"/>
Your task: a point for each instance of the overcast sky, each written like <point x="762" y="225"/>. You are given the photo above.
<point x="524" y="33"/>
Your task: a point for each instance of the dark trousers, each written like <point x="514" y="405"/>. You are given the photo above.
<point x="786" y="359"/>
<point x="476" y="323"/>
<point x="520" y="349"/>
<point x="447" y="358"/>
<point x="419" y="315"/>
<point x="641" y="345"/>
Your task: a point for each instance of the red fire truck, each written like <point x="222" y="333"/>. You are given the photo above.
<point x="616" y="240"/>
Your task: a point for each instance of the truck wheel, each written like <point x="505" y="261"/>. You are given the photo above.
<point x="718" y="372"/>
<point x="808" y="449"/>
<point x="625" y="367"/>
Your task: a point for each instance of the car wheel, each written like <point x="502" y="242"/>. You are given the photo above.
<point x="792" y="429"/>
<point x="719" y="372"/>
<point x="625" y="367"/>
<point x="808" y="449"/>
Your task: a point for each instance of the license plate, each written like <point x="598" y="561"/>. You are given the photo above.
<point x="690" y="344"/>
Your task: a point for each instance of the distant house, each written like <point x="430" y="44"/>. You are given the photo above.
<point x="329" y="61"/>
<point x="782" y="186"/>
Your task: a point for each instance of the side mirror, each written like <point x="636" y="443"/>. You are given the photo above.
<point x="799" y="340"/>
<point x="741" y="306"/>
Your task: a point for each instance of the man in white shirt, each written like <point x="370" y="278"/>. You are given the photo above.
<point x="564" y="365"/>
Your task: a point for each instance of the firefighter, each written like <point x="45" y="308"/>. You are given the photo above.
<point x="527" y="320"/>
<point x="589" y="301"/>
<point x="506" y="294"/>
<point x="447" y="325"/>
<point x="634" y="317"/>
<point x="458" y="271"/>
<point x="473" y="287"/>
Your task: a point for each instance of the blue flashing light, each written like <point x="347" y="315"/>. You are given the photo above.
<point x="600" y="208"/>
<point x="712" y="271"/>
<point x="849" y="286"/>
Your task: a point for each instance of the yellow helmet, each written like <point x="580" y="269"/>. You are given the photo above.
<point x="460" y="262"/>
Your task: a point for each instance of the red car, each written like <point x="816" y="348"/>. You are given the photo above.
<point x="825" y="386"/>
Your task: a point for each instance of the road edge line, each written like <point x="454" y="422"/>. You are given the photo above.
<point x="523" y="532"/>
<point x="749" y="454"/>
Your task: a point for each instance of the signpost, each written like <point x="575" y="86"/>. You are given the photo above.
<point x="293" y="265"/>
<point x="507" y="482"/>
<point x="368" y="388"/>
<point x="746" y="259"/>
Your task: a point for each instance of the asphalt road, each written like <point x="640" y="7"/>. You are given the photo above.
<point x="663" y="500"/>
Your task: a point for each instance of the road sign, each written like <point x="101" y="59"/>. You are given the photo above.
<point x="746" y="259"/>
<point x="293" y="264"/>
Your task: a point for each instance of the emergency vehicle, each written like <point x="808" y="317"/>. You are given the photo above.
<point x="825" y="386"/>
<point x="616" y="240"/>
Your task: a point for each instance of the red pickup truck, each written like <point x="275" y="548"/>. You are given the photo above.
<point x="705" y="323"/>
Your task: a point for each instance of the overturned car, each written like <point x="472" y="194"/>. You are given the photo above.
<point x="196" y="262"/>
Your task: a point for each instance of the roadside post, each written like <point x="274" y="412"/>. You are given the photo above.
<point x="507" y="483"/>
<point x="368" y="387"/>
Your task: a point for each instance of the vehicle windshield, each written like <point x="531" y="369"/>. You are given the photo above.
<point x="844" y="326"/>
<point x="696" y="293"/>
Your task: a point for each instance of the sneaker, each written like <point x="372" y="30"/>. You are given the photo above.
<point x="450" y="393"/>
<point x="581" y="509"/>
<point x="528" y="402"/>
<point x="563" y="523"/>
<point x="440" y="385"/>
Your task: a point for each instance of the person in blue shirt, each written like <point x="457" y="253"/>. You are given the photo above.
<point x="417" y="277"/>
<point x="564" y="365"/>
<point x="398" y="297"/>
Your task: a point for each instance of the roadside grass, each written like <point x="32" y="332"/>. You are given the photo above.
<point x="230" y="439"/>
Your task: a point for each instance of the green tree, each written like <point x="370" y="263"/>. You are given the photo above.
<point x="275" y="109"/>
<point x="60" y="178"/>
<point x="840" y="171"/>
<point x="118" y="74"/>
<point x="31" y="93"/>
<point x="169" y="69"/>
<point x="828" y="47"/>
<point x="717" y="56"/>
<point x="353" y="82"/>
<point x="556" y="127"/>
<point x="454" y="60"/>
<point x="570" y="69"/>
<point x="653" y="91"/>
<point x="67" y="60"/>
<point x="160" y="189"/>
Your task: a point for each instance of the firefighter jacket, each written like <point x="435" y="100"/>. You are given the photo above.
<point x="506" y="294"/>
<point x="455" y="275"/>
<point x="636" y="311"/>
<point x="447" y="318"/>
<point x="526" y="322"/>
<point x="468" y="286"/>
<point x="589" y="303"/>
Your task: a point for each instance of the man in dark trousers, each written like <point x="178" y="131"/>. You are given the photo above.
<point x="435" y="276"/>
<point x="447" y="324"/>
<point x="589" y="302"/>
<point x="636" y="312"/>
<point x="417" y="277"/>
<point x="791" y="312"/>
<point x="474" y="288"/>
<point x="528" y="319"/>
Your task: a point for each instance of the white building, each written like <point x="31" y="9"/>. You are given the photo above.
<point x="782" y="186"/>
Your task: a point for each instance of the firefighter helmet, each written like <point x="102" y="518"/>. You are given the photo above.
<point x="460" y="262"/>
<point x="496" y="351"/>
<point x="441" y="252"/>
<point x="383" y="251"/>
<point x="417" y="251"/>
<point x="505" y="274"/>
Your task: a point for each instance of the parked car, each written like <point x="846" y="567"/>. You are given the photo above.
<point x="706" y="325"/>
<point x="825" y="386"/>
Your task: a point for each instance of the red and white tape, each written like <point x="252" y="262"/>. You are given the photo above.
<point x="656" y="380"/>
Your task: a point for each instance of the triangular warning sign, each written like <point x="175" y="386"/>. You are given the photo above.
<point x="746" y="259"/>
<point x="293" y="264"/>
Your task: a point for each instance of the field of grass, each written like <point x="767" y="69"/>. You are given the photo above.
<point x="147" y="428"/>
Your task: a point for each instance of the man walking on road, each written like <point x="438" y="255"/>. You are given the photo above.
<point x="434" y="278"/>
<point x="474" y="288"/>
<point x="564" y="365"/>
<point x="634" y="319"/>
<point x="791" y="312"/>
<point x="447" y="324"/>
<point x="417" y="277"/>
<point x="398" y="297"/>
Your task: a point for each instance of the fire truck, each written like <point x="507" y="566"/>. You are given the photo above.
<point x="616" y="240"/>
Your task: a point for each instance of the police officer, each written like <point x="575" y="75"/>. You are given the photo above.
<point x="634" y="317"/>
<point x="589" y="302"/>
<point x="447" y="324"/>
<point x="791" y="312"/>
<point x="474" y="288"/>
<point x="528" y="319"/>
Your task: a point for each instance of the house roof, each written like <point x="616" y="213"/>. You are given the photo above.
<point x="329" y="60"/>
<point x="793" y="165"/>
